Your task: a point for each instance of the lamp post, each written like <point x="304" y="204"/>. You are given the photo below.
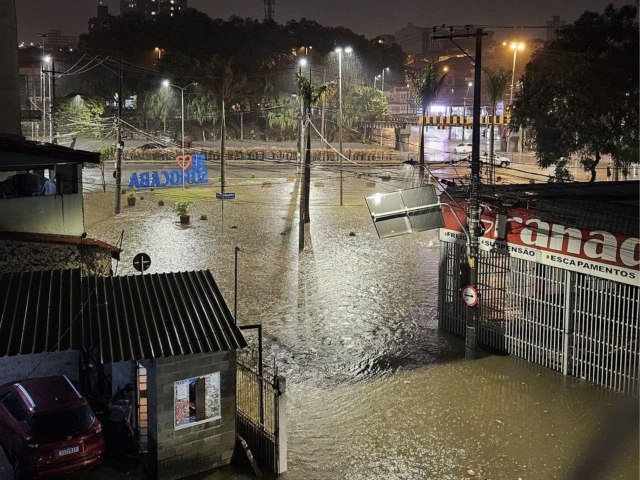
<point x="166" y="83"/>
<point x="49" y="108"/>
<point x="43" y="83"/>
<point x="382" y="84"/>
<point x="339" y="51"/>
<point x="515" y="46"/>
<point x="469" y="85"/>
<point x="301" y="63"/>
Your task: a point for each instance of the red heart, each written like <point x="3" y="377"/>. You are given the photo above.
<point x="183" y="161"/>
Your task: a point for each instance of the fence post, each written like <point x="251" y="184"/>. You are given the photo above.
<point x="283" y="423"/>
<point x="568" y="324"/>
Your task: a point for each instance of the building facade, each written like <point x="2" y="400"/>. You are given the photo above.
<point x="558" y="278"/>
<point x="151" y="8"/>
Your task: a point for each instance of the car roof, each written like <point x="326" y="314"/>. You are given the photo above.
<point x="49" y="393"/>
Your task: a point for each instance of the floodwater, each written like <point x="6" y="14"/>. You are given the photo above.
<point x="375" y="390"/>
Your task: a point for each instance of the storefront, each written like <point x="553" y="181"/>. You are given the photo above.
<point x="559" y="277"/>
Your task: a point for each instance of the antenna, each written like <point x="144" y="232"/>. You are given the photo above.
<point x="268" y="9"/>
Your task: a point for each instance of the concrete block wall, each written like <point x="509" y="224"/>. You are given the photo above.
<point x="189" y="450"/>
<point x="18" y="367"/>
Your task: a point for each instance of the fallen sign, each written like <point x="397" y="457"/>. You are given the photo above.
<point x="227" y="196"/>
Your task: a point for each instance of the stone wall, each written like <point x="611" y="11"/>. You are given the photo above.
<point x="18" y="256"/>
<point x="189" y="450"/>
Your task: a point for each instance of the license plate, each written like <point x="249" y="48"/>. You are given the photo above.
<point x="69" y="450"/>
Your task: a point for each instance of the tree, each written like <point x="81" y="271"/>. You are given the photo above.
<point x="497" y="82"/>
<point x="365" y="106"/>
<point x="310" y="95"/>
<point x="158" y="104"/>
<point x="283" y="116"/>
<point x="202" y="107"/>
<point x="424" y="86"/>
<point x="580" y="92"/>
<point x="81" y="114"/>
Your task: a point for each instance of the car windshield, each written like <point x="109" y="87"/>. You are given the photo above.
<point x="62" y="424"/>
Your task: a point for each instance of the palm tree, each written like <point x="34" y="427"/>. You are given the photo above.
<point x="497" y="82"/>
<point x="424" y="86"/>
<point x="310" y="95"/>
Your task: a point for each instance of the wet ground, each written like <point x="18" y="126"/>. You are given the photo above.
<point x="375" y="390"/>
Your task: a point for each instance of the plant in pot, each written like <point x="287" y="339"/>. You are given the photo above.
<point x="182" y="209"/>
<point x="131" y="199"/>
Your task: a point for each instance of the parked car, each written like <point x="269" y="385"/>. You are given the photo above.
<point x="500" y="160"/>
<point x="47" y="428"/>
<point x="462" y="149"/>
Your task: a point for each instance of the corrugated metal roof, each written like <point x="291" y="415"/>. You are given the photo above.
<point x="122" y="318"/>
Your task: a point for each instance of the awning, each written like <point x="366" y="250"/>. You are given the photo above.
<point x="120" y="318"/>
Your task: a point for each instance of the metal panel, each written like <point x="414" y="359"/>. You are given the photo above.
<point x="405" y="211"/>
<point x="121" y="318"/>
<point x="605" y="334"/>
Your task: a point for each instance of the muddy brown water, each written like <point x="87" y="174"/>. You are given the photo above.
<point x="375" y="390"/>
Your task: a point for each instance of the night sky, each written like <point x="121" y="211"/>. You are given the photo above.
<point x="366" y="17"/>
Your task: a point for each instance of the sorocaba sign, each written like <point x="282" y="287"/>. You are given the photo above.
<point x="192" y="169"/>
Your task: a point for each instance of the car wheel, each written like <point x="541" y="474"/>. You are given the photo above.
<point x="503" y="164"/>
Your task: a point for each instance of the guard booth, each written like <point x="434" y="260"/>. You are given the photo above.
<point x="171" y="334"/>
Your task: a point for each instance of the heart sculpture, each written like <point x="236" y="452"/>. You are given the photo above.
<point x="183" y="161"/>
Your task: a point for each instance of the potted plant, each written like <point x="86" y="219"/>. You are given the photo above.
<point x="182" y="209"/>
<point x="131" y="199"/>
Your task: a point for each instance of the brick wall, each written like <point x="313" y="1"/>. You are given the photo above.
<point x="189" y="450"/>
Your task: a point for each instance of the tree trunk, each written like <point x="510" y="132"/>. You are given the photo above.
<point x="421" y="154"/>
<point x="593" y="167"/>
<point x="307" y="174"/>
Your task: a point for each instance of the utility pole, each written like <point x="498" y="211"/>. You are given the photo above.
<point x="473" y="220"/>
<point x="119" y="145"/>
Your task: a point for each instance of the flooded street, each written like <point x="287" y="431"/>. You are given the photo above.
<point x="375" y="390"/>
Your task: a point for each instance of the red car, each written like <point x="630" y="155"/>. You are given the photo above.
<point x="48" y="428"/>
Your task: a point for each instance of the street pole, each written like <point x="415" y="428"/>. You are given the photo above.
<point x="382" y="90"/>
<point x="43" y="86"/>
<point x="119" y="141"/>
<point x="182" y="118"/>
<point x="473" y="219"/>
<point x="235" y="284"/>
<point x="340" y="115"/>
<point x="471" y="342"/>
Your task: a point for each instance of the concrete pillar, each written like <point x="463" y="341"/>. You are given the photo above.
<point x="283" y="425"/>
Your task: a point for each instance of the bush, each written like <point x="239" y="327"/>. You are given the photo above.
<point x="182" y="208"/>
<point x="204" y="217"/>
<point x="161" y="203"/>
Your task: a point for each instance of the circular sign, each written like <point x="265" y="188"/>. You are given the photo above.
<point x="470" y="296"/>
<point x="141" y="262"/>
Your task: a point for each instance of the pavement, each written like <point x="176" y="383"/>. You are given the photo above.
<point x="130" y="468"/>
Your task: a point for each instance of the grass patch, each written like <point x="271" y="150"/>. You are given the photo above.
<point x="186" y="195"/>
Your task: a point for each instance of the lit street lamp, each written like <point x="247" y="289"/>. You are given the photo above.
<point x="339" y="51"/>
<point x="469" y="85"/>
<point x="166" y="83"/>
<point x="515" y="46"/>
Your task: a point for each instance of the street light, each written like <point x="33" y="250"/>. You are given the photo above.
<point x="469" y="85"/>
<point x="515" y="46"/>
<point x="382" y="84"/>
<point x="166" y="83"/>
<point x="339" y="51"/>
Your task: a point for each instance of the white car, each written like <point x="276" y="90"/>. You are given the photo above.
<point x="462" y="149"/>
<point x="499" y="160"/>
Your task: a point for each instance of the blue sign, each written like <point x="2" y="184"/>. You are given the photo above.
<point x="194" y="175"/>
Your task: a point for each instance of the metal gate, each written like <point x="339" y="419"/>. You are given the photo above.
<point x="257" y="413"/>
<point x="570" y="322"/>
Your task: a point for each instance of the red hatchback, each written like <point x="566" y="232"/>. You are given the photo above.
<point x="47" y="428"/>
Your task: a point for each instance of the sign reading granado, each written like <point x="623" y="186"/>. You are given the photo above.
<point x="192" y="169"/>
<point x="519" y="234"/>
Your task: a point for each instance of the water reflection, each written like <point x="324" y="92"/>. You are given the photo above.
<point x="376" y="391"/>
